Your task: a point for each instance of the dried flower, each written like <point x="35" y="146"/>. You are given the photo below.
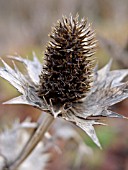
<point x="65" y="87"/>
<point x="16" y="137"/>
<point x="66" y="76"/>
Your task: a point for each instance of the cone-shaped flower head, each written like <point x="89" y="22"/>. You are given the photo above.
<point x="68" y="86"/>
<point x="67" y="72"/>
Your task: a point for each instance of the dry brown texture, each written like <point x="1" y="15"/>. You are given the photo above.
<point x="66" y="75"/>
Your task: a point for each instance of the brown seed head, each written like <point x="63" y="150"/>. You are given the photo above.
<point x="67" y="72"/>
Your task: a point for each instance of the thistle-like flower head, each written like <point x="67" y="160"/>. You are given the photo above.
<point x="64" y="87"/>
<point x="67" y="72"/>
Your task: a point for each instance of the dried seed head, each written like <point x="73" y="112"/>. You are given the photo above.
<point x="67" y="72"/>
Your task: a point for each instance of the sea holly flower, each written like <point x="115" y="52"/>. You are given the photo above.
<point x="67" y="85"/>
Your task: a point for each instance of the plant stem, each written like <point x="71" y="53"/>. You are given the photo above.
<point x="44" y="123"/>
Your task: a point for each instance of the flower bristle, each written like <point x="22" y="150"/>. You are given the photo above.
<point x="67" y="72"/>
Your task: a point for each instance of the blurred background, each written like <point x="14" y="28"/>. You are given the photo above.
<point x="24" y="27"/>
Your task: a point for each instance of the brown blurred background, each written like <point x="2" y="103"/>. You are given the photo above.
<point x="24" y="27"/>
<point x="25" y="24"/>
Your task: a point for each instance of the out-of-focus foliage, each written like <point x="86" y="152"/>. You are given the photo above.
<point x="25" y="24"/>
<point x="12" y="142"/>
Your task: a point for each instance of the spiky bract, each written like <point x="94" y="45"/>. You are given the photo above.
<point x="67" y="72"/>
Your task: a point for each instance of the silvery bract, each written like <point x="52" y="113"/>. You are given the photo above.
<point x="106" y="90"/>
<point x="16" y="137"/>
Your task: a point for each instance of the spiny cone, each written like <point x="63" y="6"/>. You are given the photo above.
<point x="67" y="72"/>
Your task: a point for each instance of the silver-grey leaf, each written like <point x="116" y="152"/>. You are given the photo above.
<point x="85" y="125"/>
<point x="14" y="76"/>
<point x="23" y="85"/>
<point x="111" y="114"/>
<point x="33" y="67"/>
